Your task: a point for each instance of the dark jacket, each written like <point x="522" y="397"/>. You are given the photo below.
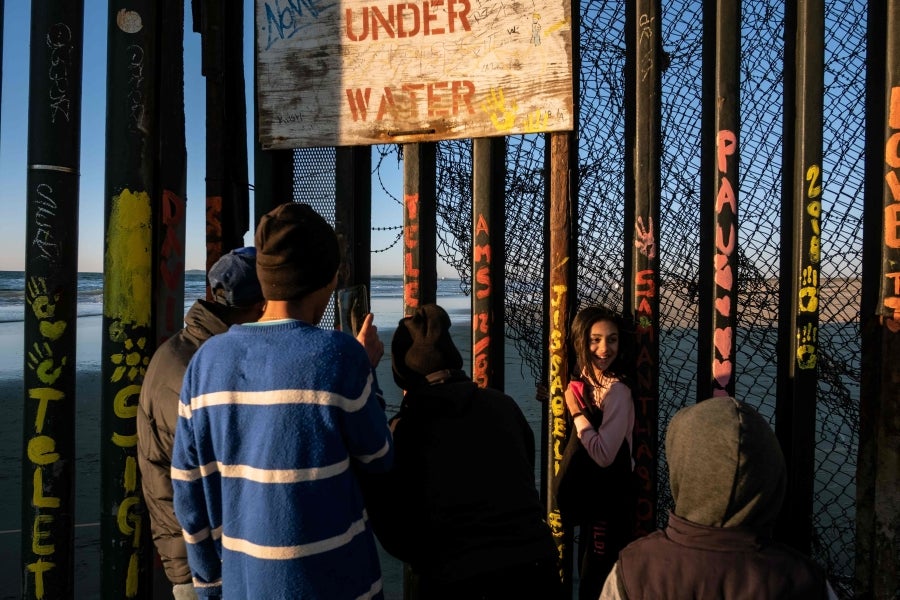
<point x="688" y="560"/>
<point x="157" y="417"/>
<point x="461" y="500"/>
<point x="728" y="478"/>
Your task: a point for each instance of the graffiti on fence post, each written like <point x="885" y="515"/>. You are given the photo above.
<point x="46" y="360"/>
<point x="410" y="253"/>
<point x="644" y="430"/>
<point x="890" y="288"/>
<point x="171" y="264"/>
<point x="725" y="263"/>
<point x="808" y="302"/>
<point x="557" y="400"/>
<point x="127" y="300"/>
<point x="481" y="288"/>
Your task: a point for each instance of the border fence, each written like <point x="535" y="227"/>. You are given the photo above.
<point x="602" y="238"/>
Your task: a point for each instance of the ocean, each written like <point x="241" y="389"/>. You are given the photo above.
<point x="386" y="304"/>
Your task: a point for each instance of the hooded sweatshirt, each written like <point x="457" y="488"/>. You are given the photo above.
<point x="461" y="499"/>
<point x="728" y="479"/>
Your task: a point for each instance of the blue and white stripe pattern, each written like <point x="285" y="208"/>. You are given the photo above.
<point x="273" y="421"/>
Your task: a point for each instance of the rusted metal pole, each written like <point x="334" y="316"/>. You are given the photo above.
<point x="719" y="198"/>
<point x="419" y="226"/>
<point x="127" y="344"/>
<point x="51" y="295"/>
<point x="562" y="294"/>
<point x="798" y="312"/>
<point x="227" y="191"/>
<point x="169" y="220"/>
<point x="543" y="388"/>
<point x="419" y="253"/>
<point x="488" y="261"/>
<point x="878" y="465"/>
<point x="642" y="239"/>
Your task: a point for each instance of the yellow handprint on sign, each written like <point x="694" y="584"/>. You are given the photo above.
<point x="503" y="117"/>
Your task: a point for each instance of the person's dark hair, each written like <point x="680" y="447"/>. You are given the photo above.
<point x="580" y="335"/>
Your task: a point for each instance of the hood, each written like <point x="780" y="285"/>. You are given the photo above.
<point x="726" y="468"/>
<point x="203" y="321"/>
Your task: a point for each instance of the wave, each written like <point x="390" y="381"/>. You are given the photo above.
<point x="90" y="294"/>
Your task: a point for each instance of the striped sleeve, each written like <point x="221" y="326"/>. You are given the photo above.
<point x="202" y="537"/>
<point x="367" y="433"/>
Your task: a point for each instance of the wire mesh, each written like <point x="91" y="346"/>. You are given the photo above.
<point x="601" y="247"/>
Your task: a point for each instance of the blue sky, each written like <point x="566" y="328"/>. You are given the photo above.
<point x="14" y="145"/>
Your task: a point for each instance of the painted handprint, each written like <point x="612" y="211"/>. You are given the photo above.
<point x="809" y="293"/>
<point x="806" y="348"/>
<point x="502" y="116"/>
<point x="45" y="366"/>
<point x="44" y="308"/>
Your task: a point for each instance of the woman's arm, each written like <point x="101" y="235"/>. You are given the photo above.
<point x="604" y="442"/>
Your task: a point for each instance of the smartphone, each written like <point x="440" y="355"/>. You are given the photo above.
<point x="352" y="306"/>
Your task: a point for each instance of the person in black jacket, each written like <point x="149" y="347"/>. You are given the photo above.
<point x="238" y="299"/>
<point x="460" y="505"/>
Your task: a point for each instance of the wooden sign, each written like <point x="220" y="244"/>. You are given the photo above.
<point x="361" y="72"/>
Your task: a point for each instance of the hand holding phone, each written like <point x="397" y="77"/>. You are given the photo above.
<point x="353" y="310"/>
<point x="353" y="306"/>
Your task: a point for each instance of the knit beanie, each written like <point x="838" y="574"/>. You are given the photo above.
<point x="232" y="279"/>
<point x="296" y="252"/>
<point x="726" y="468"/>
<point x="421" y="346"/>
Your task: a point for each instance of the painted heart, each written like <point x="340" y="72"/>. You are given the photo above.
<point x="52" y="330"/>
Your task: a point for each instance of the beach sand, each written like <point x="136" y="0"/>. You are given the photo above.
<point x="87" y="449"/>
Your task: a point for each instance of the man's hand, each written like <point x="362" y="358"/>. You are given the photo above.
<point x="368" y="337"/>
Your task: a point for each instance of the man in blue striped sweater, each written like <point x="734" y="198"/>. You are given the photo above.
<point x="274" y="418"/>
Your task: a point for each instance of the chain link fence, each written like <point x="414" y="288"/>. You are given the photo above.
<point x="602" y="240"/>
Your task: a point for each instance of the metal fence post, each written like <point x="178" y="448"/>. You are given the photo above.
<point x="801" y="208"/>
<point x="51" y="298"/>
<point x="719" y="198"/>
<point x="643" y="40"/>
<point x="488" y="261"/>
<point x="128" y="336"/>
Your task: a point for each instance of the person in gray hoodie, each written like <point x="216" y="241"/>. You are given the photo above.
<point x="460" y="505"/>
<point x="728" y="479"/>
